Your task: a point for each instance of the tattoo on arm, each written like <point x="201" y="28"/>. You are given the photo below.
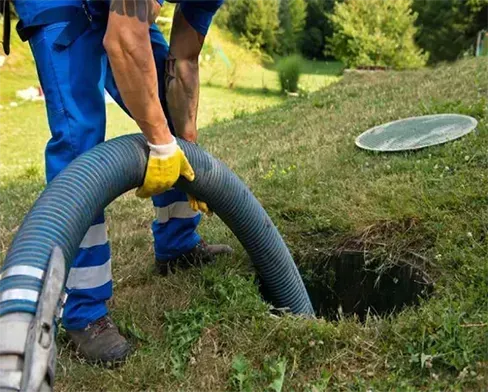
<point x="142" y="9"/>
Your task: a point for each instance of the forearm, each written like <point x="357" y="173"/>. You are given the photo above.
<point x="182" y="76"/>
<point x="128" y="46"/>
<point x="182" y="95"/>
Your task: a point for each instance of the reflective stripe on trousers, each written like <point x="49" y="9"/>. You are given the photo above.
<point x="74" y="80"/>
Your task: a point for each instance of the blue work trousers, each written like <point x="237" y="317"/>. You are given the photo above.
<point x="74" y="79"/>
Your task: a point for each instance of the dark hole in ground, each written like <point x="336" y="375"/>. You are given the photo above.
<point x="350" y="283"/>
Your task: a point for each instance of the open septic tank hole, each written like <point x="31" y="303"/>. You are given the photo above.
<point x="355" y="283"/>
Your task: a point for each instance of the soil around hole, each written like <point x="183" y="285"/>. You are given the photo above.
<point x="347" y="283"/>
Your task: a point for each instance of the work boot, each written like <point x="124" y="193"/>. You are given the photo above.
<point x="100" y="341"/>
<point x="200" y="255"/>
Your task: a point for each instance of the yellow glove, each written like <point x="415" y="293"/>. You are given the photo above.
<point x="166" y="163"/>
<point x="198" y="205"/>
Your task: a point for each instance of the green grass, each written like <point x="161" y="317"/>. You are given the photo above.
<point x="253" y="86"/>
<point x="208" y="330"/>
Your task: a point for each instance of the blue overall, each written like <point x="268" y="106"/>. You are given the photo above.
<point x="73" y="77"/>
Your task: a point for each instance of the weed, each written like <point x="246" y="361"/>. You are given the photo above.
<point x="183" y="330"/>
<point x="241" y="375"/>
<point x="321" y="384"/>
<point x="276" y="369"/>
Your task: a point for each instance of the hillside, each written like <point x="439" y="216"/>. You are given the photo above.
<point x="208" y="330"/>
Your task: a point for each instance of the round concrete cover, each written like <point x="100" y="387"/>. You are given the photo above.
<point x="416" y="132"/>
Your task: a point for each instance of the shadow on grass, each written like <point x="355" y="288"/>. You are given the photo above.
<point x="313" y="67"/>
<point x="248" y="91"/>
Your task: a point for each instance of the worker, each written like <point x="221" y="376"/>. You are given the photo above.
<point x="82" y="48"/>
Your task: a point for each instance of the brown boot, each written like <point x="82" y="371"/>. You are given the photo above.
<point x="100" y="341"/>
<point x="201" y="254"/>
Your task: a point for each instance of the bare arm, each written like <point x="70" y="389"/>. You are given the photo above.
<point x="128" y="45"/>
<point x="182" y="76"/>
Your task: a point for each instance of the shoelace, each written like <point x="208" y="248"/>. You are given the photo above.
<point x="100" y="325"/>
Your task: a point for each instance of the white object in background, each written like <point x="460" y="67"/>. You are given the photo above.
<point x="14" y="104"/>
<point x="481" y="46"/>
<point x="30" y="94"/>
<point x="414" y="133"/>
<point x="2" y="60"/>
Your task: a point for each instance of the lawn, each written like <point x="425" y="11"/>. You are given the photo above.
<point x="208" y="329"/>
<point x="254" y="87"/>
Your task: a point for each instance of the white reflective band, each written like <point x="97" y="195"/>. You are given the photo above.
<point x="10" y="379"/>
<point x="89" y="277"/>
<point x="96" y="235"/>
<point x="179" y="209"/>
<point x="22" y="270"/>
<point x="60" y="313"/>
<point x="23" y="294"/>
<point x="62" y="302"/>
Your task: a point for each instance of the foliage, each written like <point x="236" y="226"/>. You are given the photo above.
<point x="289" y="70"/>
<point x="317" y="28"/>
<point x="244" y="378"/>
<point x="292" y="14"/>
<point x="183" y="330"/>
<point x="241" y="375"/>
<point x="256" y="20"/>
<point x="375" y="33"/>
<point x="448" y="28"/>
<point x="275" y="26"/>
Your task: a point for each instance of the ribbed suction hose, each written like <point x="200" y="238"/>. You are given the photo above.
<point x="69" y="204"/>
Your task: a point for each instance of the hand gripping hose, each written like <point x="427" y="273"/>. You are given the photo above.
<point x="69" y="204"/>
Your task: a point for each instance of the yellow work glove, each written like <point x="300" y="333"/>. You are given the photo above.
<point x="166" y="163"/>
<point x="198" y="205"/>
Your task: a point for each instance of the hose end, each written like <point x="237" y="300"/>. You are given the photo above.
<point x="28" y="346"/>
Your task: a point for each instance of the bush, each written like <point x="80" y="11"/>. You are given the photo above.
<point x="375" y="33"/>
<point x="317" y="28"/>
<point x="289" y="70"/>
<point x="448" y="28"/>
<point x="292" y="14"/>
<point x="255" y="20"/>
<point x="275" y="26"/>
<point x="313" y="43"/>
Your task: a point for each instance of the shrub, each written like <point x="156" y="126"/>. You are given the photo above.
<point x="375" y="33"/>
<point x="448" y="28"/>
<point x="317" y="28"/>
<point x="292" y="15"/>
<point x="255" y="20"/>
<point x="275" y="26"/>
<point x="289" y="70"/>
<point x="313" y="43"/>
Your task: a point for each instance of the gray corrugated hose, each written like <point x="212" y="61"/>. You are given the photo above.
<point x="65" y="210"/>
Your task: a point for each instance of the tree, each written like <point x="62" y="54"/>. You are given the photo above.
<point x="292" y="14"/>
<point x="448" y="28"/>
<point x="375" y="33"/>
<point x="262" y="23"/>
<point x="270" y="25"/>
<point x="317" y="28"/>
<point x="255" y="20"/>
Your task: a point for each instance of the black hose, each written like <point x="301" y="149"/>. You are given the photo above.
<point x="69" y="204"/>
